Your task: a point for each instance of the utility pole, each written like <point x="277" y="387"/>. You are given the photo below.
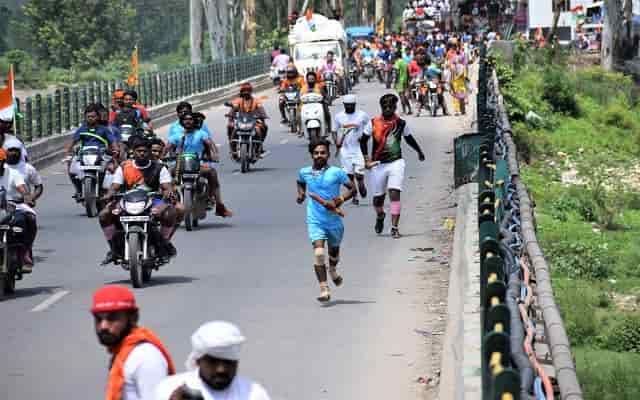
<point x="250" y="26"/>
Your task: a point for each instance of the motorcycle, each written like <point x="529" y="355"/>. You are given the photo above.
<point x="93" y="162"/>
<point x="277" y="75"/>
<point x="329" y="79"/>
<point x="368" y="68"/>
<point x="11" y="248"/>
<point x="433" y="97"/>
<point x="248" y="144"/>
<point x="140" y="252"/>
<point x="312" y="117"/>
<point x="193" y="190"/>
<point x="292" y="100"/>
<point x="380" y="67"/>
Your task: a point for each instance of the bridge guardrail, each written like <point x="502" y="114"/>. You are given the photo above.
<point x="58" y="112"/>
<point x="518" y="311"/>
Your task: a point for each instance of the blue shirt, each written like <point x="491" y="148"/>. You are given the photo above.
<point x="193" y="143"/>
<point x="364" y="53"/>
<point x="176" y="130"/>
<point x="91" y="137"/>
<point x="326" y="184"/>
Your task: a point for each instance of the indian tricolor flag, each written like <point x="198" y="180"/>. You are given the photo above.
<point x="7" y="99"/>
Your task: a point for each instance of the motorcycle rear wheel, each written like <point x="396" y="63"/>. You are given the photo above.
<point x="89" y="195"/>
<point x="136" y="268"/>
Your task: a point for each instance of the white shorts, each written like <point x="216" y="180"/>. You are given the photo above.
<point x="387" y="176"/>
<point x="352" y="163"/>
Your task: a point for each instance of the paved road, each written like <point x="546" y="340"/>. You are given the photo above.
<point x="255" y="270"/>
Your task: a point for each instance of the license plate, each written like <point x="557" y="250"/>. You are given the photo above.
<point x="140" y="218"/>
<point x="90" y="167"/>
<point x="190" y="176"/>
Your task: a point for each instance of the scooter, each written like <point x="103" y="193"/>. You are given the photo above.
<point x="312" y="117"/>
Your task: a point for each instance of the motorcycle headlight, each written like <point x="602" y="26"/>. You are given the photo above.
<point x="135" y="208"/>
<point x="244" y="127"/>
<point x="89" y="159"/>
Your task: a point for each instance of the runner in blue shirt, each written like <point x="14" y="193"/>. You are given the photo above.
<point x="321" y="184"/>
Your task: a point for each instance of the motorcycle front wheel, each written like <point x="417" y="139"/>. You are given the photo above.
<point x="89" y="195"/>
<point x="244" y="158"/>
<point x="187" y="198"/>
<point x="135" y="261"/>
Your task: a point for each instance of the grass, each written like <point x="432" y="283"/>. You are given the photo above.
<point x="579" y="159"/>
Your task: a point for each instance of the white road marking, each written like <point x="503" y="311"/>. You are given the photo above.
<point x="51" y="300"/>
<point x="284" y="141"/>
<point x="235" y="173"/>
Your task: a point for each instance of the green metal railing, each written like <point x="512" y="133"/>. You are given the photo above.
<point x="58" y="112"/>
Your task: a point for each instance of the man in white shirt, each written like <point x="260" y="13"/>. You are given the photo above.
<point x="281" y="61"/>
<point x="213" y="366"/>
<point x="139" y="359"/>
<point x="349" y="126"/>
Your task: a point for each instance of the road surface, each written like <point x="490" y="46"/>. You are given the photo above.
<point x="375" y="339"/>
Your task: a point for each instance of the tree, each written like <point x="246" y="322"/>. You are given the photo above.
<point x="83" y="33"/>
<point x="616" y="35"/>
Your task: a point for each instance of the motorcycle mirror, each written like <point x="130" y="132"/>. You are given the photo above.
<point x="228" y="104"/>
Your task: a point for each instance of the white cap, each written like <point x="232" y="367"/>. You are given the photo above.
<point x="217" y="339"/>
<point x="349" y="99"/>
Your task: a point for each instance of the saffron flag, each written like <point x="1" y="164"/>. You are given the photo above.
<point x="7" y="99"/>
<point x="380" y="27"/>
<point x="132" y="80"/>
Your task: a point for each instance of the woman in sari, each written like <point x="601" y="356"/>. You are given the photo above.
<point x="458" y="86"/>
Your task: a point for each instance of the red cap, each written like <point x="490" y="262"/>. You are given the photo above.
<point x="113" y="298"/>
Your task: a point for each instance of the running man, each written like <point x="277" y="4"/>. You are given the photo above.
<point x="349" y="126"/>
<point x="321" y="183"/>
<point x="386" y="162"/>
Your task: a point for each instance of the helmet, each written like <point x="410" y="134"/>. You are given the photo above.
<point x="291" y="71"/>
<point x="246" y="87"/>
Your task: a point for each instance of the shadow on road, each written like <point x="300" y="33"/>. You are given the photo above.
<point x="159" y="280"/>
<point x="211" y="225"/>
<point x="333" y="303"/>
<point x="30" y="292"/>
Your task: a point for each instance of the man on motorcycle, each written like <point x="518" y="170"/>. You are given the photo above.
<point x="91" y="133"/>
<point x="127" y="113"/>
<point x="33" y="182"/>
<point x="176" y="128"/>
<point x="435" y="74"/>
<point x="248" y="104"/>
<point x="157" y="149"/>
<point x="312" y="86"/>
<point x="331" y="66"/>
<point x="198" y="142"/>
<point x="154" y="177"/>
<point x="17" y="192"/>
<point x="292" y="78"/>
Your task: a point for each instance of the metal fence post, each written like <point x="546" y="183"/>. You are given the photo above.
<point x="75" y="106"/>
<point x="66" y="103"/>
<point x="57" y="98"/>
<point x="18" y="121"/>
<point x="92" y="93"/>
<point x="83" y="101"/>
<point x="28" y="119"/>
<point x="38" y="115"/>
<point x="49" y="115"/>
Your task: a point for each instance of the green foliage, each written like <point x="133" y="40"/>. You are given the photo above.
<point x="607" y="375"/>
<point x="78" y="32"/>
<point x="581" y="258"/>
<point x="624" y="336"/>
<point x="268" y="39"/>
<point x="25" y="68"/>
<point x="559" y="91"/>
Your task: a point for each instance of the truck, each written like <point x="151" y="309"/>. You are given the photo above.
<point x="312" y="37"/>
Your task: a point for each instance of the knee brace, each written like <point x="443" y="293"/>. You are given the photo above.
<point x="318" y="256"/>
<point x="395" y="208"/>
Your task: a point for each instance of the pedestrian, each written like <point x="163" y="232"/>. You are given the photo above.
<point x="212" y="368"/>
<point x="458" y="86"/>
<point x="386" y="163"/>
<point x="139" y="359"/>
<point x="349" y="126"/>
<point x="402" y="84"/>
<point x="321" y="183"/>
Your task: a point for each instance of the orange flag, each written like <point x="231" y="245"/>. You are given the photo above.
<point x="309" y="14"/>
<point x="132" y="80"/>
<point x="7" y="99"/>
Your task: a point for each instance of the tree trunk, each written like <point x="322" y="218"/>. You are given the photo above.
<point x="556" y="19"/>
<point x="365" y="12"/>
<point x="379" y="10"/>
<point x="612" y="34"/>
<point x="250" y="27"/>
<point x="217" y="12"/>
<point x="195" y="19"/>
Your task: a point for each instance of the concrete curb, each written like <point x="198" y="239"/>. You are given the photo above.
<point x="461" y="352"/>
<point x="47" y="151"/>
